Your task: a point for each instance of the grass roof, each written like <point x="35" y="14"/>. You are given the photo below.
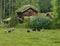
<point x="26" y="7"/>
<point x="7" y="19"/>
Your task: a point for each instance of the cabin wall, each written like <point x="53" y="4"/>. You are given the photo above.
<point x="29" y="12"/>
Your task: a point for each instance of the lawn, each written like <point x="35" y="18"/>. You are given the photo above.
<point x="20" y="37"/>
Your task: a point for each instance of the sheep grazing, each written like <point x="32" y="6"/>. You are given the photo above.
<point x="11" y="29"/>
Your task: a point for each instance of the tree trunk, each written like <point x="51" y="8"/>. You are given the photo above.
<point x="12" y="6"/>
<point x="9" y="7"/>
<point x="4" y="8"/>
<point x="0" y="8"/>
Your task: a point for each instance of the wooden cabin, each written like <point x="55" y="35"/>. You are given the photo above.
<point x="27" y="12"/>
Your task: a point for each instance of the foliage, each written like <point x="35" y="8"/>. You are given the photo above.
<point x="14" y="20"/>
<point x="4" y="26"/>
<point x="21" y="3"/>
<point x="45" y="5"/>
<point x="41" y="5"/>
<point x="26" y="21"/>
<point x="7" y="6"/>
<point x="39" y="22"/>
<point x="56" y="11"/>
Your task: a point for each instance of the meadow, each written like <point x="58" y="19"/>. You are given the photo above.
<point x="13" y="15"/>
<point x="20" y="37"/>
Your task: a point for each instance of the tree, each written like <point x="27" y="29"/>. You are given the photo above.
<point x="20" y="3"/>
<point x="4" y="7"/>
<point x="0" y="9"/>
<point x="14" y="19"/>
<point x="56" y="10"/>
<point x="0" y="6"/>
<point x="45" y="5"/>
<point x="9" y="7"/>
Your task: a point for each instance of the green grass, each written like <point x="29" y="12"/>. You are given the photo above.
<point x="20" y="37"/>
<point x="26" y="7"/>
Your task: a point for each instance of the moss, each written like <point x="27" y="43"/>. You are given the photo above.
<point x="7" y="19"/>
<point x="25" y="7"/>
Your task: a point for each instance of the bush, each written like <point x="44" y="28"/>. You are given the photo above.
<point x="14" y="20"/>
<point x="26" y="21"/>
<point x="39" y="22"/>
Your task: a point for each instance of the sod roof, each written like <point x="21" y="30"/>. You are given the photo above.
<point x="26" y="7"/>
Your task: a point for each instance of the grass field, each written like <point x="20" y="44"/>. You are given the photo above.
<point x="20" y="37"/>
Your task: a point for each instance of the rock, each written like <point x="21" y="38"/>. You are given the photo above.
<point x="28" y="30"/>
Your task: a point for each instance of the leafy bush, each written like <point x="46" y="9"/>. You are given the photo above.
<point x="39" y="22"/>
<point x="14" y="20"/>
<point x="26" y="21"/>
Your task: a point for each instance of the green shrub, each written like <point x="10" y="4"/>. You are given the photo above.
<point x="39" y="22"/>
<point x="26" y="21"/>
<point x="14" y="20"/>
